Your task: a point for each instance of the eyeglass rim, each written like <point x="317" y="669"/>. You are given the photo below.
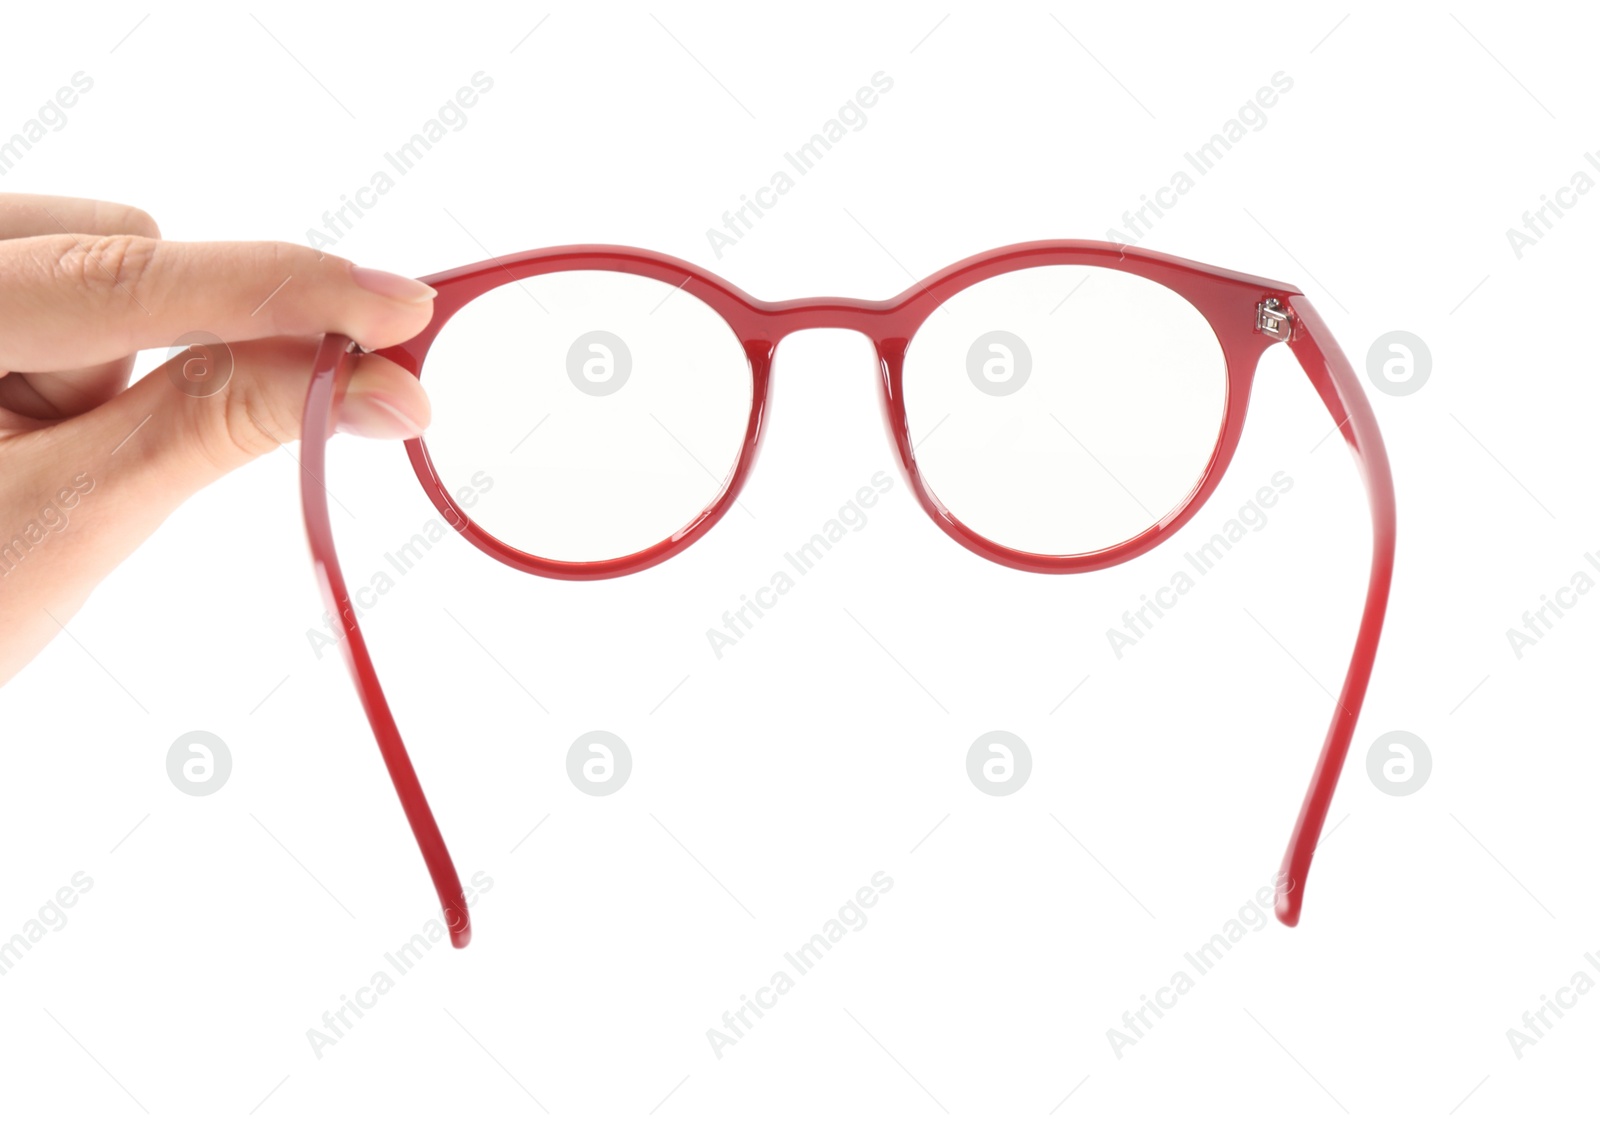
<point x="1228" y="300"/>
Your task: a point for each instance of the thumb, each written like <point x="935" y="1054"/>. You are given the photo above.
<point x="85" y="492"/>
<point x="212" y="407"/>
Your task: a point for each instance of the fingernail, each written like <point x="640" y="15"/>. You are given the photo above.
<point x="374" y="417"/>
<point x="396" y="286"/>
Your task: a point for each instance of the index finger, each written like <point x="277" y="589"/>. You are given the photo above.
<point x="71" y="300"/>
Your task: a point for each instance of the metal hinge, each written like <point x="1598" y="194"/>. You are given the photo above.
<point x="1272" y="319"/>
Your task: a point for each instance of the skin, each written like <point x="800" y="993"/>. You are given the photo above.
<point x="86" y="284"/>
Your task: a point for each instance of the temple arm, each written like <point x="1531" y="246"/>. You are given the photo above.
<point x="1336" y="382"/>
<point x="333" y="358"/>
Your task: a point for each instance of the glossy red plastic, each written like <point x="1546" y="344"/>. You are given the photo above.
<point x="1231" y="302"/>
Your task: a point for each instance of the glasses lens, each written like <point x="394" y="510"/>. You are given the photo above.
<point x="1063" y="410"/>
<point x="586" y="415"/>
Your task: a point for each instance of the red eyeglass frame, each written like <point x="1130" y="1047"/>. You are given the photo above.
<point x="1248" y="314"/>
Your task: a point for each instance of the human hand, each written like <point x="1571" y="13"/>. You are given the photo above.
<point x="90" y="466"/>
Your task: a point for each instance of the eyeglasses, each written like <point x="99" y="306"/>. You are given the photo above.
<point x="1073" y="405"/>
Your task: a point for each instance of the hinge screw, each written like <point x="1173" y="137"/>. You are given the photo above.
<point x="1272" y="319"/>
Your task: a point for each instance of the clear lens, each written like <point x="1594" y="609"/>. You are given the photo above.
<point x="586" y="415"/>
<point x="1066" y="409"/>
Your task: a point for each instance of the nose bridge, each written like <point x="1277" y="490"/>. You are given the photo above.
<point x="864" y="317"/>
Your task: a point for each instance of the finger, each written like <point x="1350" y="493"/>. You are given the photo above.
<point x="68" y="301"/>
<point x="158" y="442"/>
<point x="56" y="395"/>
<point x="122" y="468"/>
<point x="23" y="215"/>
<point x="61" y="395"/>
<point x="192" y="439"/>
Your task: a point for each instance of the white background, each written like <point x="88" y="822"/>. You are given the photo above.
<point x="770" y="784"/>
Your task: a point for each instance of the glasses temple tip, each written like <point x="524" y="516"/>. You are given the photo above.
<point x="1287" y="908"/>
